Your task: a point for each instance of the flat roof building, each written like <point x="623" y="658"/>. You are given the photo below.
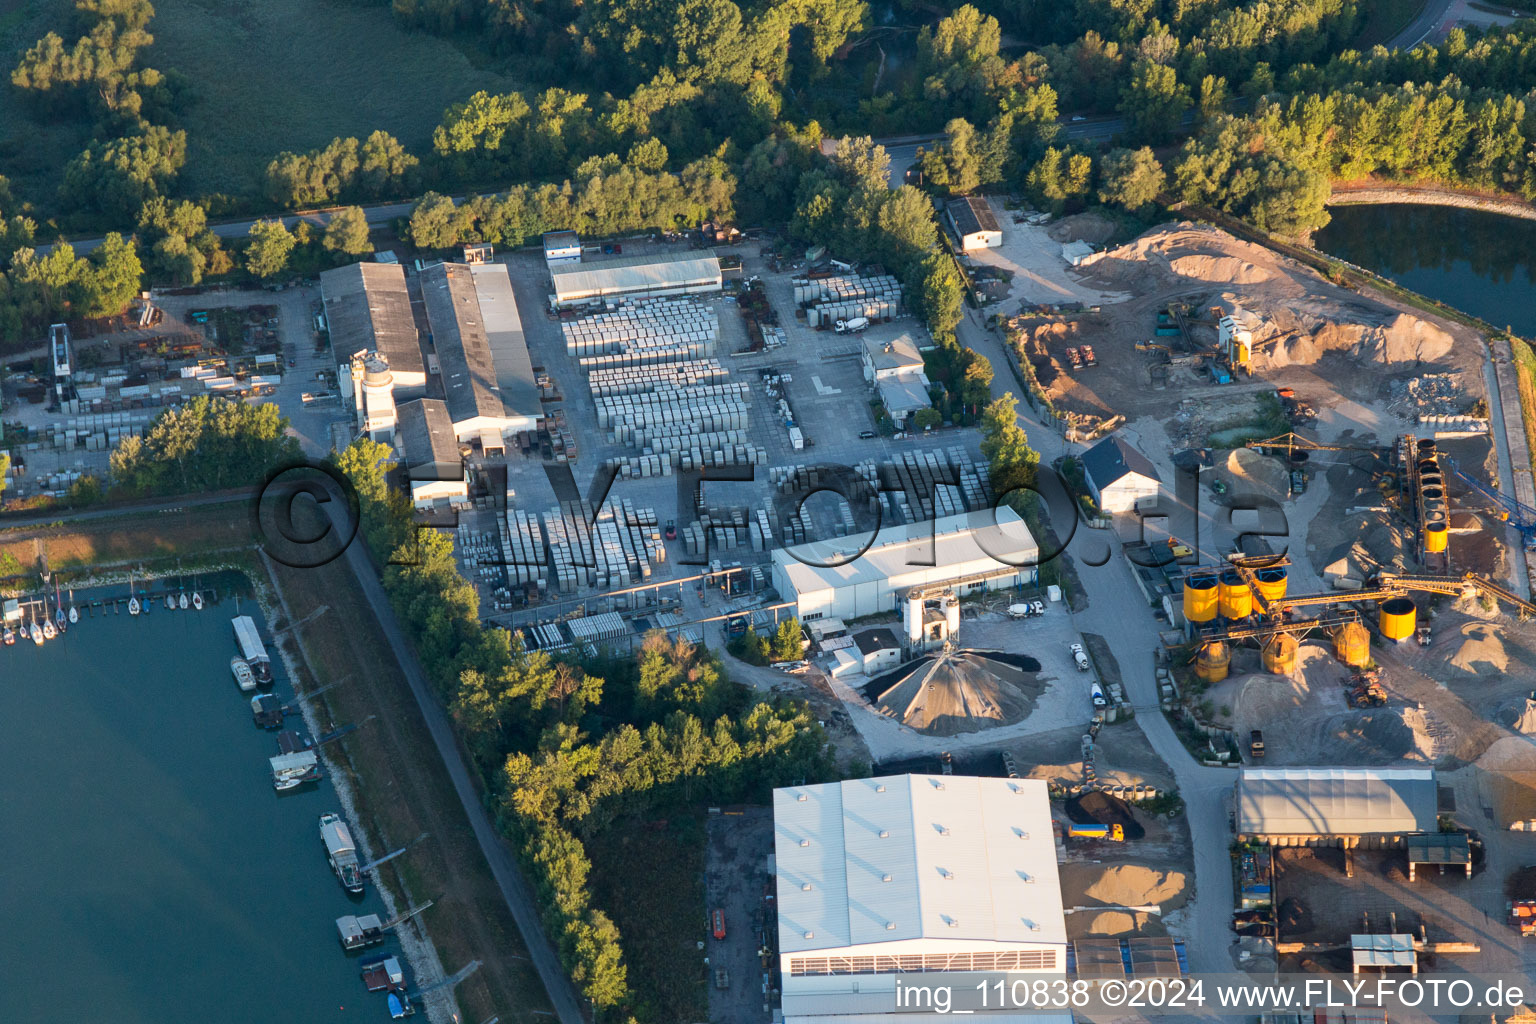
<point x="430" y="452"/>
<point x="975" y="550"/>
<point x="974" y="222"/>
<point x="1335" y="806"/>
<point x="683" y="273"/>
<point x="906" y="875"/>
<point x="482" y="352"/>
<point x="561" y="247"/>
<point x="368" y="309"/>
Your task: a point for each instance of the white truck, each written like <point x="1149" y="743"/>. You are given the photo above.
<point x="1080" y="656"/>
<point x="853" y="326"/>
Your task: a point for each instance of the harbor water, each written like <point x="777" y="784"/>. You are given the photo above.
<point x="149" y="874"/>
<point x="1480" y="263"/>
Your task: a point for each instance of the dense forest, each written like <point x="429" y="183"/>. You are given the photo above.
<point x="654" y="115"/>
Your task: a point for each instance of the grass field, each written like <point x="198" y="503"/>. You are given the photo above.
<point x="191" y="534"/>
<point x="271" y="75"/>
<point x="404" y="790"/>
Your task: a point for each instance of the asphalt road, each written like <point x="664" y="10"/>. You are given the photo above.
<point x="1117" y="611"/>
<point x="1432" y="21"/>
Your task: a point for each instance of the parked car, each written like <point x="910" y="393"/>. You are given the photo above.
<point x="865" y="435"/>
<point x="671" y="529"/>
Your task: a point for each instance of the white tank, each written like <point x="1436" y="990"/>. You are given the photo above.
<point x="914" y="620"/>
<point x="952" y="616"/>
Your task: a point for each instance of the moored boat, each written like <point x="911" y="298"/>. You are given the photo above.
<point x="37" y="634"/>
<point x="9" y="636"/>
<point x="290" y="771"/>
<point x="74" y="616"/>
<point x="360" y="932"/>
<point x="170" y="602"/>
<point x="243" y="674"/>
<point x="182" y="602"/>
<point x="400" y="1006"/>
<point x="267" y="710"/>
<point x="341" y="851"/>
<point x="197" y="600"/>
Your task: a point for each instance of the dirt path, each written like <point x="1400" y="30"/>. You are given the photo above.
<point x="404" y="791"/>
<point x="1361" y="195"/>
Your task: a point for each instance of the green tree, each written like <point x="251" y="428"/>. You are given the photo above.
<point x="114" y="178"/>
<point x="789" y="642"/>
<point x="111" y="278"/>
<point x="925" y="419"/>
<point x="267" y="252"/>
<point x="940" y="293"/>
<point x="976" y="381"/>
<point x="1004" y="444"/>
<point x="1153" y="103"/>
<point x="1132" y="179"/>
<point x="436" y="223"/>
<point x="207" y="444"/>
<point x="347" y="232"/>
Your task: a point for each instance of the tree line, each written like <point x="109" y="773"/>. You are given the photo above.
<point x="566" y="747"/>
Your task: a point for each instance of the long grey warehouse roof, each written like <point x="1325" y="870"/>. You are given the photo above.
<point x="972" y="214"/>
<point x="626" y="274"/>
<point x="426" y="436"/>
<point x="1336" y="801"/>
<point x="479" y="339"/>
<point x="367" y="306"/>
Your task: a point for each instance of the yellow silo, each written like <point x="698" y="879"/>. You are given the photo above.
<point x="1213" y="662"/>
<point x="1426" y="447"/>
<point x="1235" y="599"/>
<point x="1398" y="618"/>
<point x="1280" y="655"/>
<point x="1272" y="583"/>
<point x="1436" y="537"/>
<point x="1352" y="644"/>
<point x="1200" y="598"/>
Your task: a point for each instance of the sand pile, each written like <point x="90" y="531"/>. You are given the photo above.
<point x="1219" y="269"/>
<point x="1370" y="542"/>
<point x="1247" y="467"/>
<point x="1389" y="734"/>
<point x="1301" y="335"/>
<point x="1120" y="885"/>
<point x="1134" y="885"/>
<point x="1520" y="717"/>
<point x="1509" y="768"/>
<point x="1479" y="650"/>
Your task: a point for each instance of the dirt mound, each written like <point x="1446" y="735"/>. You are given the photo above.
<point x="1219" y="269"/>
<point x="1479" y="650"/>
<point x="1294" y="917"/>
<point x="1395" y="734"/>
<point x="1133" y="885"/>
<point x="1300" y="334"/>
<point x="1246" y="466"/>
<point x="1089" y="227"/>
<point x="1519" y="717"/>
<point x="1096" y="807"/>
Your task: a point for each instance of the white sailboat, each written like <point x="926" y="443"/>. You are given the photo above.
<point x="74" y="615"/>
<point x="197" y="599"/>
<point x="37" y="634"/>
<point x="181" y="601"/>
<point x="58" y="607"/>
<point x="170" y="602"/>
<point x="133" y="602"/>
<point x="49" y="632"/>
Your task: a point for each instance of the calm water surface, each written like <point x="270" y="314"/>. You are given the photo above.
<point x="1480" y="263"/>
<point x="148" y="872"/>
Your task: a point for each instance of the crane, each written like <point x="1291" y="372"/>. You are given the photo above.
<point x="1514" y="512"/>
<point x="1292" y="442"/>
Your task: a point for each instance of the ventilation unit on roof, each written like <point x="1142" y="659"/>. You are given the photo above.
<point x="805" y="886"/>
<point x="810" y="935"/>
<point x="943" y="830"/>
<point x="890" y="926"/>
<point x="885" y="878"/>
<point x="884" y="834"/>
<point x="879" y="789"/>
<point x="805" y="842"/>
<point x="953" y="922"/>
<point x="1023" y="834"/>
<point x="802" y="798"/>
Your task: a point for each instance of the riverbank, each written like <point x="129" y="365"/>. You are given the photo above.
<point x="1345" y="194"/>
<point x="387" y="775"/>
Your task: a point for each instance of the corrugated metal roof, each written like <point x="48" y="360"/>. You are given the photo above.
<point x="902" y="395"/>
<point x="1336" y="801"/>
<point x="1385" y="950"/>
<point x="916" y="856"/>
<point x="367" y="306"/>
<point x="508" y="343"/>
<point x="972" y="214"/>
<point x="900" y="550"/>
<point x="635" y="274"/>
<point x="425" y="434"/>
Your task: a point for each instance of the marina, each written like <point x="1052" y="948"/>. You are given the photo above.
<point x="178" y="863"/>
